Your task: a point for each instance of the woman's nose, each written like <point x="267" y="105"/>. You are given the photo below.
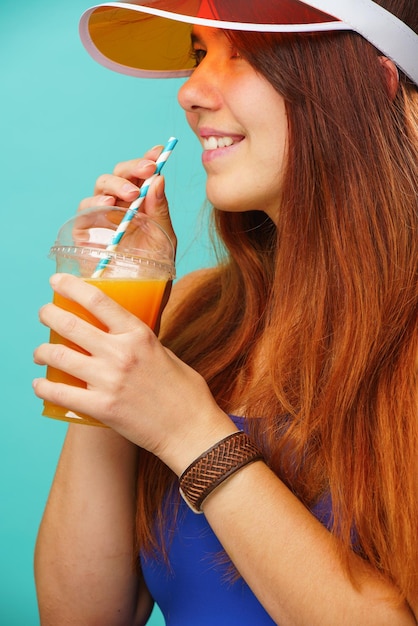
<point x="201" y="90"/>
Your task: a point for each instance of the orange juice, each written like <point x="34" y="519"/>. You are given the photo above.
<point x="142" y="297"/>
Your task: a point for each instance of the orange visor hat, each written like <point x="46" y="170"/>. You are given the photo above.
<point x="151" y="38"/>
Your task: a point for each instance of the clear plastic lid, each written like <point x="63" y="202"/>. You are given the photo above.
<point x="145" y="249"/>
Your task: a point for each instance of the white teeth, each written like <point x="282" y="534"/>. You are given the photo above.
<point x="224" y="142"/>
<point x="211" y="143"/>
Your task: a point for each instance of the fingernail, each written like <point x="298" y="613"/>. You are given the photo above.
<point x="147" y="165"/>
<point x="54" y="279"/>
<point x="159" y="188"/>
<point x="130" y="189"/>
<point x="105" y="200"/>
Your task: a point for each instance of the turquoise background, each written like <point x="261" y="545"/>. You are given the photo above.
<point x="64" y="120"/>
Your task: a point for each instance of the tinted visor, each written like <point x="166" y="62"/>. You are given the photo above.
<point x="153" y="38"/>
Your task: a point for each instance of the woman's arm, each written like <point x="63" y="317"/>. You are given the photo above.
<point x="84" y="558"/>
<point x="290" y="560"/>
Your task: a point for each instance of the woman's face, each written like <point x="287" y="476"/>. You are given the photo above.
<point x="241" y="123"/>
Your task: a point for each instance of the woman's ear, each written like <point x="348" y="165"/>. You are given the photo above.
<point x="391" y="76"/>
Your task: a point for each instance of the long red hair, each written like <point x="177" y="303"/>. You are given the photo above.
<point x="328" y="296"/>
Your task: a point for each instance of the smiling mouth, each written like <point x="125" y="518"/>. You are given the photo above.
<point x="213" y="143"/>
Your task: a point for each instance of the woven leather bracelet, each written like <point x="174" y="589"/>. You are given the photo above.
<point x="214" y="466"/>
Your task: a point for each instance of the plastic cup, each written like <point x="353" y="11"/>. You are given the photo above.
<point x="136" y="276"/>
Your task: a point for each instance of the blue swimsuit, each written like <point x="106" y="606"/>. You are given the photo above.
<point x="194" y="588"/>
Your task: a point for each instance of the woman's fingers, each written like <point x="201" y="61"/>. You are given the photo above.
<point x="136" y="169"/>
<point x="65" y="359"/>
<point x="113" y="317"/>
<point x="156" y="207"/>
<point x="80" y="399"/>
<point x="99" y="200"/>
<point x="69" y="326"/>
<point x="110" y="363"/>
<point x="113" y="344"/>
<point x="60" y="394"/>
<point x="123" y="185"/>
<point x="127" y="177"/>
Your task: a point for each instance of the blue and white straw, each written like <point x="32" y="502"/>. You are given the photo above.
<point x="133" y="208"/>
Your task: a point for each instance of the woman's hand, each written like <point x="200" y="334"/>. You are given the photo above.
<point x="134" y="384"/>
<point x="122" y="187"/>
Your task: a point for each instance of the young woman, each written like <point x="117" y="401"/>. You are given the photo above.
<point x="303" y="339"/>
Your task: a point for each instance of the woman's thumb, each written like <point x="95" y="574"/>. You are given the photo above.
<point x="156" y="206"/>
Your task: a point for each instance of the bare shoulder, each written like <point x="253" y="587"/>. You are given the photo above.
<point x="182" y="288"/>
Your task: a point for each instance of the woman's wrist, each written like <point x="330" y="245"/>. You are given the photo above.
<point x="201" y="436"/>
<point x="216" y="465"/>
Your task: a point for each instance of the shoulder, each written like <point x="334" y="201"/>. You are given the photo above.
<point x="182" y="289"/>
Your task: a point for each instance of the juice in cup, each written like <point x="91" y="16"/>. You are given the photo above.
<point x="134" y="274"/>
<point x="142" y="297"/>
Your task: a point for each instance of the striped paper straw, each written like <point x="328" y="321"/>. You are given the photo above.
<point x="133" y="208"/>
